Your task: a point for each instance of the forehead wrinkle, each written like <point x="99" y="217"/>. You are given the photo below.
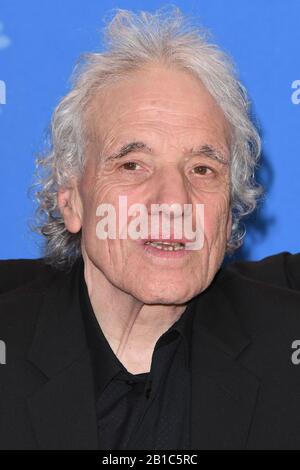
<point x="153" y="113"/>
<point x="105" y="135"/>
<point x="163" y="127"/>
<point x="210" y="147"/>
<point x="142" y="104"/>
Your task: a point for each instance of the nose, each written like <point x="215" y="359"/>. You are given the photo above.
<point x="168" y="203"/>
<point x="170" y="187"/>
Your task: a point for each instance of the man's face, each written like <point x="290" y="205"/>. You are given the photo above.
<point x="169" y="113"/>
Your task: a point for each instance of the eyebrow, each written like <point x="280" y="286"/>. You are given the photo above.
<point x="210" y="152"/>
<point x="207" y="150"/>
<point x="128" y="148"/>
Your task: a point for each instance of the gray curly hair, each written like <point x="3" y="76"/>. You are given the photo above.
<point x="133" y="40"/>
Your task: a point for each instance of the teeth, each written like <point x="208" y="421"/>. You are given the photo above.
<point x="166" y="246"/>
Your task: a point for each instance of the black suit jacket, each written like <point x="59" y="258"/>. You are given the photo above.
<point x="245" y="388"/>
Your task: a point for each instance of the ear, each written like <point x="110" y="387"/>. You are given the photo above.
<point x="69" y="203"/>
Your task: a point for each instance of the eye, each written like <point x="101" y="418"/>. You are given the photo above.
<point x="202" y="170"/>
<point x="131" y="166"/>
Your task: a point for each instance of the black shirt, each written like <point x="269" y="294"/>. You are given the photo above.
<point x="148" y="410"/>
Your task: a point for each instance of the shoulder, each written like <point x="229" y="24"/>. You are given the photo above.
<point x="24" y="286"/>
<point x="15" y="273"/>
<point x="267" y="313"/>
<point x="282" y="270"/>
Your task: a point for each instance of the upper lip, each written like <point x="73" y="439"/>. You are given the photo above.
<point x="183" y="241"/>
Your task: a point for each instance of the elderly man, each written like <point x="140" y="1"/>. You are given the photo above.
<point x="144" y="342"/>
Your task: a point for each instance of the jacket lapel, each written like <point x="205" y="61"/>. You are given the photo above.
<point x="224" y="393"/>
<point x="62" y="410"/>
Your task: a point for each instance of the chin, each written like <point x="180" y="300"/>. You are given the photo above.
<point x="165" y="297"/>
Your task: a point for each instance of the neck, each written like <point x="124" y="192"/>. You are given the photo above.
<point x="131" y="327"/>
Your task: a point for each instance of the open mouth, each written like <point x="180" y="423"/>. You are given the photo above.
<point x="166" y="246"/>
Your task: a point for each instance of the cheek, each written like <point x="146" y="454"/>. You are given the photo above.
<point x="216" y="215"/>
